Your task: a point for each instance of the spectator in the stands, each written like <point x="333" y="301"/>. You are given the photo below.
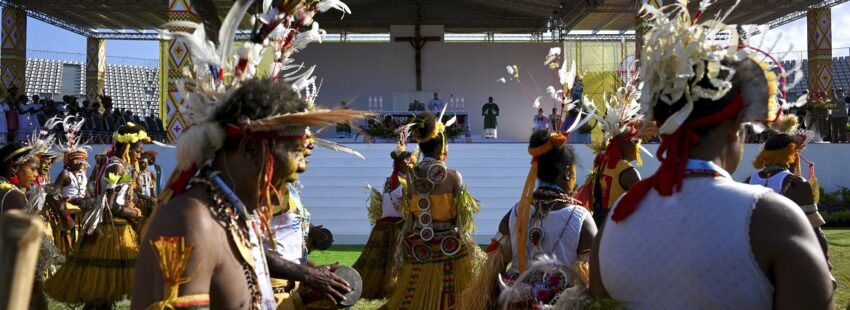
<point x="4" y="129"/>
<point x="838" y="117"/>
<point x="12" y="119"/>
<point x="24" y="118"/>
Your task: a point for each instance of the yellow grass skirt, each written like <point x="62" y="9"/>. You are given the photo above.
<point x="435" y="284"/>
<point x="100" y="270"/>
<point x="379" y="263"/>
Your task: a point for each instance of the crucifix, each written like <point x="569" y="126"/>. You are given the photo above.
<point x="418" y="41"/>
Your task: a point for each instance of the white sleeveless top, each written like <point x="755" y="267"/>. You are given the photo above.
<point x="289" y="233"/>
<point x="77" y="188"/>
<point x="774" y="182"/>
<point x="687" y="251"/>
<point x="562" y="231"/>
<point x="391" y="202"/>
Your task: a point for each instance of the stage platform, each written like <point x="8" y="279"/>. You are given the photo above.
<point x="335" y="184"/>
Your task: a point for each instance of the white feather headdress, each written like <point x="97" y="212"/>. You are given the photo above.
<point x="685" y="60"/>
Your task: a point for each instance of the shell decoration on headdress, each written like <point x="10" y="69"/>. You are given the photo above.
<point x="680" y="51"/>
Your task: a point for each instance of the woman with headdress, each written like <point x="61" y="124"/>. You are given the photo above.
<point x="622" y="129"/>
<point x="779" y="169"/>
<point x="380" y="261"/>
<point x="99" y="271"/>
<point x="19" y="171"/>
<point x="438" y="221"/>
<point x="549" y="232"/>
<point x="690" y="237"/>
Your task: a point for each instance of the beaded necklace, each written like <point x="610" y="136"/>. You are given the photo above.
<point x="545" y="199"/>
<point x="230" y="209"/>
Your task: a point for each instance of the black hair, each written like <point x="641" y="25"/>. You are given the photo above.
<point x="778" y="142"/>
<point x="554" y="163"/>
<point x="425" y="125"/>
<point x="744" y="70"/>
<point x="257" y="99"/>
<point x="7" y="150"/>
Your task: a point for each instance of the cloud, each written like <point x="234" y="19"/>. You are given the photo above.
<point x="793" y="36"/>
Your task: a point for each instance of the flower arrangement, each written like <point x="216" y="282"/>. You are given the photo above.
<point x="819" y="103"/>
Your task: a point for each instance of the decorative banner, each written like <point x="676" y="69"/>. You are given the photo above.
<point x="95" y="68"/>
<point x="174" y="58"/>
<point x="820" y="51"/>
<point x="13" y="53"/>
<point x="641" y="24"/>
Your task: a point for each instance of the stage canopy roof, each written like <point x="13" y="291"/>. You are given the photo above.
<point x="139" y="19"/>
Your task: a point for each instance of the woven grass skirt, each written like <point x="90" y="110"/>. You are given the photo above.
<point x="433" y="283"/>
<point x="380" y="261"/>
<point x="100" y="270"/>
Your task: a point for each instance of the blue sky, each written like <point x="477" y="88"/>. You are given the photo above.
<point x="42" y="36"/>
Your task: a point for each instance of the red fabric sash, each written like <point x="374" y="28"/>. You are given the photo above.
<point x="673" y="154"/>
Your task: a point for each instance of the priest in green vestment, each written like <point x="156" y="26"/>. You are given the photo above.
<point x="490" y="111"/>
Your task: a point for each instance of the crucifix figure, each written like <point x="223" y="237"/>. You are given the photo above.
<point x="418" y="41"/>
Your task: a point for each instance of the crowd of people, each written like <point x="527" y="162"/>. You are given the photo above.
<point x="21" y="116"/>
<point x="229" y="229"/>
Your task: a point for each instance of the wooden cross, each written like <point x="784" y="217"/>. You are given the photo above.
<point x="418" y="41"/>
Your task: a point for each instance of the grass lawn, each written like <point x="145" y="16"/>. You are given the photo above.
<point x="839" y="247"/>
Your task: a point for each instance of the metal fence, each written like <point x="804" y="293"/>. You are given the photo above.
<point x="81" y="58"/>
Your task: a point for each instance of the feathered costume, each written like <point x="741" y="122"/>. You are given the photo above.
<point x="693" y="81"/>
<point x="381" y="259"/>
<point x="100" y="270"/>
<point x="526" y="284"/>
<point x="439" y="250"/>
<point x="217" y="73"/>
<point x="75" y="193"/>
<point x="48" y="255"/>
<point x="623" y="127"/>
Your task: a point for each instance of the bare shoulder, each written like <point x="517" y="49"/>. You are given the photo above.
<point x="455" y="178"/>
<point x="798" y="190"/>
<point x="775" y="218"/>
<point x="186" y="216"/>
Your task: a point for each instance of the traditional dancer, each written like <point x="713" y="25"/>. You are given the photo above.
<point x="622" y="128"/>
<point x="689" y="236"/>
<point x="99" y="271"/>
<point x="439" y="249"/>
<point x="550" y="232"/>
<point x="19" y="172"/>
<point x="244" y="141"/>
<point x="380" y="261"/>
<point x="294" y="236"/>
<point x="779" y="164"/>
<point x="72" y="182"/>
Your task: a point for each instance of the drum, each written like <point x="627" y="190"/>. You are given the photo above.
<point x="353" y="278"/>
<point x="320" y="238"/>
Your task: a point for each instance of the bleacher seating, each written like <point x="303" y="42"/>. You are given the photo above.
<point x="133" y="88"/>
<point x="840" y="75"/>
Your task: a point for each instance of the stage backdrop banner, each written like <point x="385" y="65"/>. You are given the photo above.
<point x="598" y="64"/>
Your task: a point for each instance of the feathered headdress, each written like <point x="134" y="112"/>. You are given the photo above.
<point x="74" y="149"/>
<point x="622" y="122"/>
<point x="218" y="72"/>
<point x="40" y="141"/>
<point x="688" y="62"/>
<point x="562" y="98"/>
